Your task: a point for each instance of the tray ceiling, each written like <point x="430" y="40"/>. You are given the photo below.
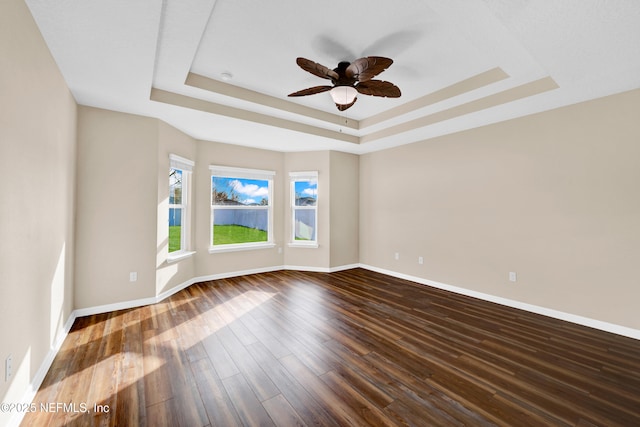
<point x="460" y="63"/>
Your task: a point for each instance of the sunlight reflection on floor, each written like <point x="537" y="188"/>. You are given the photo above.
<point x="214" y="319"/>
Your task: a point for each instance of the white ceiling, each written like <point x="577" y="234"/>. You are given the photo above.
<point x="459" y="63"/>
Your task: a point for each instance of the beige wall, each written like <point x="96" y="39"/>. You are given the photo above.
<point x="116" y="227"/>
<point x="345" y="198"/>
<point x="170" y="275"/>
<point x="123" y="201"/>
<point x="123" y="193"/>
<point x="552" y="197"/>
<point x="37" y="160"/>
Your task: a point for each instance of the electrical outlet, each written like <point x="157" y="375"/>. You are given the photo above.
<point x="420" y="260"/>
<point x="397" y="256"/>
<point x="133" y="276"/>
<point x="8" y="368"/>
<point x="512" y="276"/>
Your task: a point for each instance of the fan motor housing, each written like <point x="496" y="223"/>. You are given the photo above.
<point x="343" y="80"/>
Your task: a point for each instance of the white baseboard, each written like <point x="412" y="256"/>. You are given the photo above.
<point x="106" y="308"/>
<point x="306" y="268"/>
<point x="319" y="269"/>
<point x="38" y="378"/>
<point x="579" y="320"/>
<point x="166" y="294"/>
<point x="237" y="273"/>
<point x="343" y="267"/>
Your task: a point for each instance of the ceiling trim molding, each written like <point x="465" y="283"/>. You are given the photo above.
<point x="472" y="83"/>
<point x="509" y="95"/>
<point x="185" y="101"/>
<point x="519" y="92"/>
<point x="216" y="86"/>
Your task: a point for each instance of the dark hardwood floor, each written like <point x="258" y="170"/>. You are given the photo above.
<point x="350" y="348"/>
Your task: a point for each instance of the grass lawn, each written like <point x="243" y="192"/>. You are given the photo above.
<point x="228" y="234"/>
<point x="174" y="238"/>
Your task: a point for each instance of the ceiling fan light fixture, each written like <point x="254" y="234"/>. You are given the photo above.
<point x="343" y="95"/>
<point x="350" y="79"/>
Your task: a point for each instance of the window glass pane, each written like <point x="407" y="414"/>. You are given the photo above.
<point x="240" y="225"/>
<point x="175" y="187"/>
<point x="306" y="193"/>
<point x="239" y="191"/>
<point x="175" y="229"/>
<point x="305" y="224"/>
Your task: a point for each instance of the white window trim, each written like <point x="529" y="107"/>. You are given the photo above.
<point x="181" y="163"/>
<point x="231" y="172"/>
<point x="244" y="173"/>
<point x="186" y="166"/>
<point x="301" y="176"/>
<point x="307" y="245"/>
<point x="179" y="256"/>
<point x="231" y="247"/>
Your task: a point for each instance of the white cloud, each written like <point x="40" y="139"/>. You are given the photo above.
<point x="310" y="192"/>
<point x="250" y="190"/>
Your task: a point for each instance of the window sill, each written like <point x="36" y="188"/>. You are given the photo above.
<point x="240" y="247"/>
<point x="309" y="245"/>
<point x="178" y="256"/>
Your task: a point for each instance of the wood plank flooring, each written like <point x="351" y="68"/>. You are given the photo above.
<point x="353" y="348"/>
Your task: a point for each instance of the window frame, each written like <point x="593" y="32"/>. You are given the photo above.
<point x="185" y="166"/>
<point x="302" y="177"/>
<point x="242" y="173"/>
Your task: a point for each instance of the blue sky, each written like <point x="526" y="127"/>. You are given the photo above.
<point x="249" y="191"/>
<point x="307" y="188"/>
<point x="252" y="191"/>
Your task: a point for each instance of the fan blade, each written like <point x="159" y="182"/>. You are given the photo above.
<point x="317" y="69"/>
<point x="367" y="68"/>
<point x="311" y="91"/>
<point x="343" y="107"/>
<point x="379" y="88"/>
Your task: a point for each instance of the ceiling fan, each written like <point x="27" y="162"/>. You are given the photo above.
<point x="349" y="79"/>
